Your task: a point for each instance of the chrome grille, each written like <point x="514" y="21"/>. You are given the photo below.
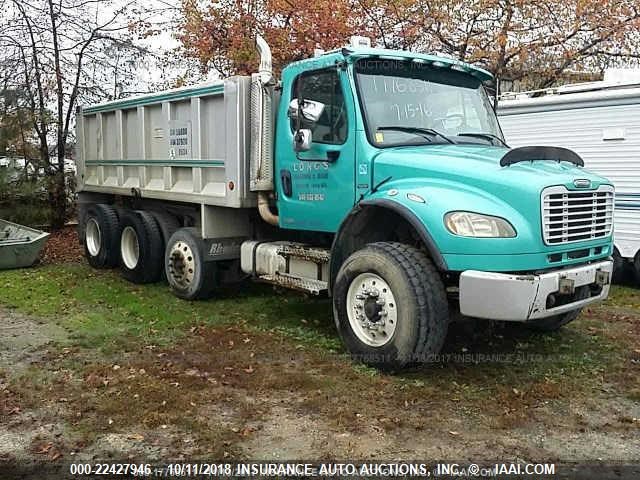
<point x="574" y="216"/>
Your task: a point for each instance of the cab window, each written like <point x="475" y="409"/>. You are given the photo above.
<point x="324" y="86"/>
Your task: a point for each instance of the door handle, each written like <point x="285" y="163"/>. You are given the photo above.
<point x="332" y="155"/>
<point x="287" y="187"/>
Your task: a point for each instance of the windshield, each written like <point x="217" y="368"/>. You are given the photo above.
<point x="401" y="100"/>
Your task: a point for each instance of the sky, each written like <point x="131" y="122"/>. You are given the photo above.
<point x="151" y="74"/>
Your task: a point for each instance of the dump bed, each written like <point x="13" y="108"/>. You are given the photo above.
<point x="188" y="145"/>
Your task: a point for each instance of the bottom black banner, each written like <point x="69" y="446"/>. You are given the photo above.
<point x="444" y="470"/>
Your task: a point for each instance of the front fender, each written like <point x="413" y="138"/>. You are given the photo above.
<point x="344" y="240"/>
<point x="415" y="221"/>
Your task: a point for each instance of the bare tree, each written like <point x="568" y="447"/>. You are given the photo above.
<point x="63" y="51"/>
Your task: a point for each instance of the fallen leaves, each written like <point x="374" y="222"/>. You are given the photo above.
<point x="62" y="247"/>
<point x="52" y="451"/>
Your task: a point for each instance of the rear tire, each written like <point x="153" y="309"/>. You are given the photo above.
<point x="190" y="277"/>
<point x="141" y="247"/>
<point x="168" y="226"/>
<point x="390" y="306"/>
<point x="100" y="236"/>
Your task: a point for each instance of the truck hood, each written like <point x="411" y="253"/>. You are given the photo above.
<point x="478" y="166"/>
<point x="430" y="181"/>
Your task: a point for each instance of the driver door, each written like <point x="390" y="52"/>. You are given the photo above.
<point x="316" y="187"/>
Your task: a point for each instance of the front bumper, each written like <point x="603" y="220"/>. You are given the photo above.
<point x="500" y="296"/>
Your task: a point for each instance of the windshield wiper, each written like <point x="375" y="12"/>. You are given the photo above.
<point x="487" y="136"/>
<point x="419" y="131"/>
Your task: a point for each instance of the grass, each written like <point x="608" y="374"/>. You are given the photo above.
<point x="106" y="313"/>
<point x="624" y="296"/>
<point x="175" y="359"/>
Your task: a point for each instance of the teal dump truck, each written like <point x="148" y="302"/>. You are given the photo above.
<point x="378" y="177"/>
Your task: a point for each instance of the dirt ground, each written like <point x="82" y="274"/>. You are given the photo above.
<point x="233" y="391"/>
<point x="255" y="405"/>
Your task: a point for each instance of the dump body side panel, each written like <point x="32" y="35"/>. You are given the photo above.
<point x="187" y="145"/>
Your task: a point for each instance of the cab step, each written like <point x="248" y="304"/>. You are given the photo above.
<point x="312" y="254"/>
<point x="288" y="264"/>
<point x="315" y="287"/>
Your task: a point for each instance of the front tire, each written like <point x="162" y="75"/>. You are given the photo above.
<point x="390" y="306"/>
<point x="620" y="267"/>
<point x="635" y="268"/>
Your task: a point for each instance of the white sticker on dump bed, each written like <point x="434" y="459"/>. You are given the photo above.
<point x="179" y="139"/>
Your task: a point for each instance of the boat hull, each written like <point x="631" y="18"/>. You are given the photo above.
<point x="20" y="246"/>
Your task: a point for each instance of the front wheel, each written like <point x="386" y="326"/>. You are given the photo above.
<point x="390" y="306"/>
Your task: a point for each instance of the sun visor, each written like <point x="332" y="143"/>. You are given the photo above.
<point x="528" y="154"/>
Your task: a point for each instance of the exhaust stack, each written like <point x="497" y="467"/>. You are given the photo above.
<point x="262" y="132"/>
<point x="265" y="70"/>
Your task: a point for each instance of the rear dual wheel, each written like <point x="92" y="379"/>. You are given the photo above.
<point x="136" y="241"/>
<point x="141" y="247"/>
<point x="100" y="236"/>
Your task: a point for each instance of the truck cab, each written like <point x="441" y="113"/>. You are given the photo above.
<point x="383" y="179"/>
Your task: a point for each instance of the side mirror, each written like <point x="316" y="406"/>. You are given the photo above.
<point x="311" y="110"/>
<point x="302" y="140"/>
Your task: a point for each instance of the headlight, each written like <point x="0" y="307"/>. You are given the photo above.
<point x="469" y="224"/>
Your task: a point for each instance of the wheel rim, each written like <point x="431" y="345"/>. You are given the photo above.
<point x="182" y="265"/>
<point x="129" y="247"/>
<point x="93" y="237"/>
<point x="372" y="309"/>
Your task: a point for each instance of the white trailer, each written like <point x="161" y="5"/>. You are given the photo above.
<point x="601" y="122"/>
